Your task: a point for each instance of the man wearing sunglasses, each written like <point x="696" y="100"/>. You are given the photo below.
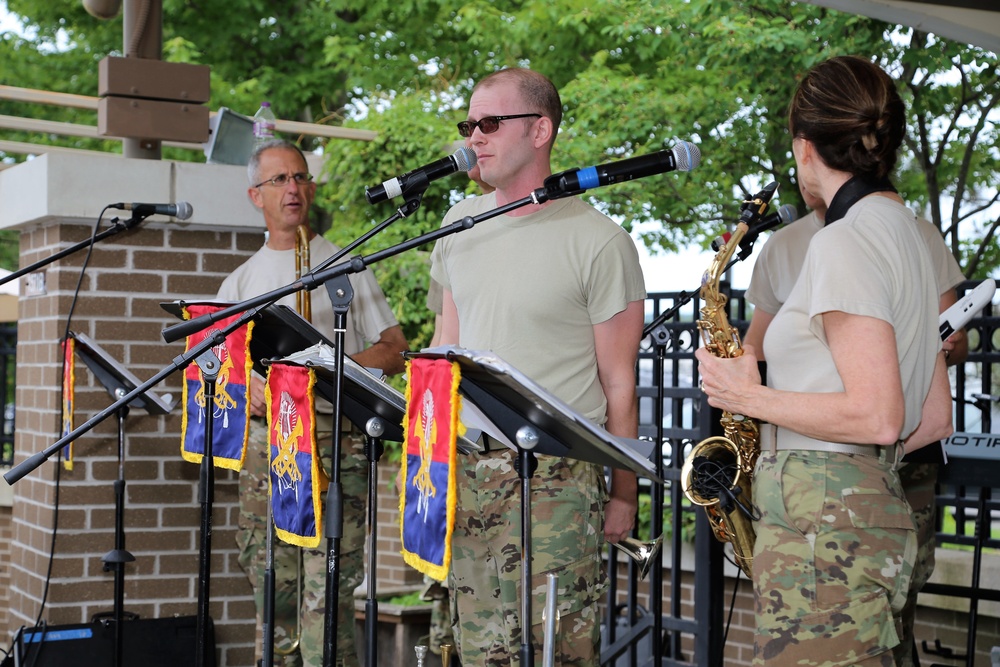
<point x="283" y="190"/>
<point x="556" y="291"/>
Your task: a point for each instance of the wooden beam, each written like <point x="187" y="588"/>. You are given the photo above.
<point x="331" y="131"/>
<point x="48" y="126"/>
<point x="84" y="102"/>
<point x="48" y="97"/>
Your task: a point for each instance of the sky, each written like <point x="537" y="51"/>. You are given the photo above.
<point x="673" y="272"/>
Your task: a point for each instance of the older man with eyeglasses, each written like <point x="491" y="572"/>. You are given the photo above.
<point x="557" y="292"/>
<point x="283" y="190"/>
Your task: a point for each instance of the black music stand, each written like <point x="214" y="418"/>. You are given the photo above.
<point x="376" y="408"/>
<point x="118" y="382"/>
<point x="281" y="333"/>
<point x="209" y="364"/>
<point x="533" y="421"/>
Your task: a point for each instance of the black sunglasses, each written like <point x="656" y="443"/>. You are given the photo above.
<point x="490" y="124"/>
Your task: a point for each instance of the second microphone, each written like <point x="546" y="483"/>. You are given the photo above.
<point x="417" y="180"/>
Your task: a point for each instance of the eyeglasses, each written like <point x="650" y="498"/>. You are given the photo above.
<point x="490" y="124"/>
<point x="281" y="180"/>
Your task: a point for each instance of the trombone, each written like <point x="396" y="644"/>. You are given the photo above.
<point x="303" y="305"/>
<point x="303" y="298"/>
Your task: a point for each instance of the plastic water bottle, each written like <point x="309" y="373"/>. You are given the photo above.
<point x="263" y="124"/>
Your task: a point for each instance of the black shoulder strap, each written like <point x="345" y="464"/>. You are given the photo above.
<point x="850" y="193"/>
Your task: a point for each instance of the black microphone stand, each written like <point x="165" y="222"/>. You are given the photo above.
<point x="117" y="227"/>
<point x="341" y="294"/>
<point x="249" y="309"/>
<point x="179" y="363"/>
<point x="116" y="380"/>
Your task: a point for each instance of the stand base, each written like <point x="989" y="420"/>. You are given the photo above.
<point x="157" y="642"/>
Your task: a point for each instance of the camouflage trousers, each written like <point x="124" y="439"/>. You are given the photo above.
<point x="440" y="629"/>
<point x="302" y="611"/>
<point x="918" y="480"/>
<point x="567" y="511"/>
<point x="832" y="561"/>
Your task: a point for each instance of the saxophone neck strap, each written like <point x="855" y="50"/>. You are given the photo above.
<point x="850" y="193"/>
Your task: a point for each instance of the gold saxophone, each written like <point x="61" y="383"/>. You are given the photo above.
<point x="718" y="472"/>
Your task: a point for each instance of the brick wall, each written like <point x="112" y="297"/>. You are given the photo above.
<point x="127" y="277"/>
<point x="5" y="539"/>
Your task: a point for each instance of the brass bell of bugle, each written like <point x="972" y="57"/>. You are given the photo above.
<point x="643" y="553"/>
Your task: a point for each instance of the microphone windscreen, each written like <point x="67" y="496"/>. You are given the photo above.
<point x="184" y="210"/>
<point x="687" y="156"/>
<point x="788" y="213"/>
<point x="465" y="158"/>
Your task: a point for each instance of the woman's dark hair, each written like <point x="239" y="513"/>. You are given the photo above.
<point x="849" y="108"/>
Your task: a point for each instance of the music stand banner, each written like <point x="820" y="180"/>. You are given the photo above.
<point x="294" y="475"/>
<point x="431" y="427"/>
<point x="68" y="396"/>
<point x="231" y="416"/>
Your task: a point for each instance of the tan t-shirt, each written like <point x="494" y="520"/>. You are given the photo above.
<point x="530" y="289"/>
<point x="267" y="270"/>
<point x="875" y="263"/>
<point x="780" y="261"/>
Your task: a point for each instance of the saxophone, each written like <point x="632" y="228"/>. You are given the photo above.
<point x="718" y="472"/>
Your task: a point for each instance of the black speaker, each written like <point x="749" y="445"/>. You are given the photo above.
<point x="156" y="642"/>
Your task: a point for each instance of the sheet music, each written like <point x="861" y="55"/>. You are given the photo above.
<point x="519" y="388"/>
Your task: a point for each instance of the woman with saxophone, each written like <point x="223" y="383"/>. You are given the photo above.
<point x="855" y="377"/>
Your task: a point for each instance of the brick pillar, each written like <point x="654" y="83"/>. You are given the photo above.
<point x="51" y="201"/>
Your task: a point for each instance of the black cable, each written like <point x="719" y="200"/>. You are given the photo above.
<point x="58" y="477"/>
<point x="732" y="603"/>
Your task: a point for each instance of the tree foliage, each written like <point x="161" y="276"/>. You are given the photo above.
<point x="634" y="75"/>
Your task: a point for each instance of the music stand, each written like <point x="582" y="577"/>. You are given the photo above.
<point x="282" y="333"/>
<point x="373" y="406"/>
<point x="118" y="382"/>
<point x="533" y="421"/>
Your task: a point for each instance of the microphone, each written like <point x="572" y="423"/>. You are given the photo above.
<point x="684" y="156"/>
<point x="782" y="216"/>
<point x="181" y="210"/>
<point x="462" y="160"/>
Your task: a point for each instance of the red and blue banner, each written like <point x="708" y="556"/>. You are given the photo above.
<point x="68" y="396"/>
<point x="431" y="428"/>
<point x="231" y="407"/>
<point x="294" y="461"/>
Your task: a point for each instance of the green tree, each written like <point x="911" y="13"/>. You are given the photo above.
<point x="635" y="76"/>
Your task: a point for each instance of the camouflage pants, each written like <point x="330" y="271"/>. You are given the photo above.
<point x="832" y="561"/>
<point x="294" y="612"/>
<point x="440" y="628"/>
<point x="567" y="502"/>
<point x="918" y="480"/>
